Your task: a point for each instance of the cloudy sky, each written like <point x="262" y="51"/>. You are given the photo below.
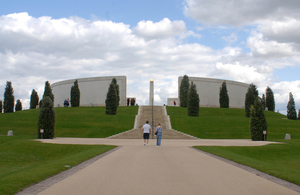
<point x="250" y="41"/>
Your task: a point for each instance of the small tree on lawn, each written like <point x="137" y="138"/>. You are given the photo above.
<point x="270" y="101"/>
<point x="111" y="100"/>
<point x="299" y="114"/>
<point x="114" y="80"/>
<point x="263" y="101"/>
<point x="258" y="122"/>
<point x="250" y="98"/>
<point x="47" y="92"/>
<point x="47" y="118"/>
<point x="34" y="99"/>
<point x="18" y="105"/>
<point x="193" y="101"/>
<point x="183" y="91"/>
<point x="223" y="96"/>
<point x="291" y="110"/>
<point x="75" y="95"/>
<point x="9" y="98"/>
<point x="1" y="106"/>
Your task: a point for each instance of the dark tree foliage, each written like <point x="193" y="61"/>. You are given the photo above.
<point x="75" y="95"/>
<point x="40" y="103"/>
<point x="250" y="98"/>
<point x="258" y="122"/>
<point x="270" y="101"/>
<point x="34" y="99"/>
<point x="183" y="93"/>
<point x="9" y="98"/>
<point x="111" y="100"/>
<point x="299" y="114"/>
<point x="47" y="118"/>
<point x="263" y="101"/>
<point x="18" y="105"/>
<point x="193" y="101"/>
<point x="291" y="110"/>
<point x="114" y="80"/>
<point x="1" y="106"/>
<point x="223" y="96"/>
<point x="48" y="91"/>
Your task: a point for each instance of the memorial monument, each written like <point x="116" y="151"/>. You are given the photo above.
<point x="151" y="94"/>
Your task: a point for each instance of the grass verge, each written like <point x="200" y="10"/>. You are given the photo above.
<point x="24" y="162"/>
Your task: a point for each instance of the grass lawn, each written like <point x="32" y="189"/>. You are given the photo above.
<point x="24" y="162"/>
<point x="72" y="122"/>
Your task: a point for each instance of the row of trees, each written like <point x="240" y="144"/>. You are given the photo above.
<point x="112" y="98"/>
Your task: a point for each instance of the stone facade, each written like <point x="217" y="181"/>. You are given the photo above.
<point x="93" y="90"/>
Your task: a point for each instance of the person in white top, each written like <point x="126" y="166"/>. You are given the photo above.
<point x="146" y="130"/>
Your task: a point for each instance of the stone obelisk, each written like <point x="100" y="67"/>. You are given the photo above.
<point x="151" y="95"/>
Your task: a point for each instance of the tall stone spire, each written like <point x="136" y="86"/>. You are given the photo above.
<point x="151" y="95"/>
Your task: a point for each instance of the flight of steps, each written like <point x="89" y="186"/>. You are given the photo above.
<point x="159" y="116"/>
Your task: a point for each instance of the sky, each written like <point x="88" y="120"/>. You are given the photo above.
<point x="250" y="41"/>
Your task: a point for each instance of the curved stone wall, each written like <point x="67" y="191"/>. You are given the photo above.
<point x="209" y="89"/>
<point x="93" y="90"/>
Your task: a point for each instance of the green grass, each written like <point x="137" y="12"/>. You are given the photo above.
<point x="72" y="122"/>
<point x="24" y="162"/>
<point x="222" y="123"/>
<point x="279" y="160"/>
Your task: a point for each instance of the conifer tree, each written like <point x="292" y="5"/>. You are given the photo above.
<point x="291" y="110"/>
<point x="9" y="98"/>
<point x="47" y="119"/>
<point x="18" y="105"/>
<point x="34" y="99"/>
<point x="114" y="80"/>
<point x="270" y="102"/>
<point x="75" y="95"/>
<point x="111" y="100"/>
<point x="299" y="114"/>
<point x="1" y="106"/>
<point x="193" y="101"/>
<point x="258" y="122"/>
<point x="263" y="101"/>
<point x="183" y="91"/>
<point x="250" y="98"/>
<point x="223" y="96"/>
<point x="47" y="92"/>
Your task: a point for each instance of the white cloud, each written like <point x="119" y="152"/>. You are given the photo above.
<point x="162" y="29"/>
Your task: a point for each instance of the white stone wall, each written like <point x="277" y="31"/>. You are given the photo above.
<point x="93" y="90"/>
<point x="171" y="102"/>
<point x="209" y="89"/>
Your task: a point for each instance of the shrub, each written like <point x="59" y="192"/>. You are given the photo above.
<point x="111" y="100"/>
<point x="250" y="98"/>
<point x="114" y="80"/>
<point x="9" y="98"/>
<point x="270" y="101"/>
<point x="34" y="99"/>
<point x="47" y="119"/>
<point x="258" y="122"/>
<point x="193" y="101"/>
<point x="18" y="105"/>
<point x="223" y="96"/>
<point x="183" y="91"/>
<point x="291" y="110"/>
<point x="75" y="95"/>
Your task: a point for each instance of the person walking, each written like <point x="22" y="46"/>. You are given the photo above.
<point x="159" y="134"/>
<point x="146" y="130"/>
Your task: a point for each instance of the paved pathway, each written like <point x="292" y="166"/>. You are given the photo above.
<point x="173" y="168"/>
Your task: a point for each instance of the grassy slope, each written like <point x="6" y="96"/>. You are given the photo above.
<point x="24" y="162"/>
<point x="72" y="122"/>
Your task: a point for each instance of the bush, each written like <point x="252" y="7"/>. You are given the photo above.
<point x="18" y="105"/>
<point x="250" y="98"/>
<point x="34" y="99"/>
<point x="111" y="100"/>
<point x="193" y="101"/>
<point x="183" y="91"/>
<point x="223" y="96"/>
<point x="270" y="101"/>
<point x="114" y="81"/>
<point x="47" y="119"/>
<point x="258" y="122"/>
<point x="9" y="98"/>
<point x="291" y="110"/>
<point x="75" y="95"/>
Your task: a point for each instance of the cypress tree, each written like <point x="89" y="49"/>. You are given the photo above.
<point x="250" y="98"/>
<point x="114" y="80"/>
<point x="263" y="101"/>
<point x="299" y="114"/>
<point x="223" y="96"/>
<point x="9" y="98"/>
<point x="183" y="91"/>
<point x="75" y="95"/>
<point x="270" y="102"/>
<point x="258" y="122"/>
<point x="111" y="100"/>
<point x="34" y="99"/>
<point x="47" y="118"/>
<point x="1" y="106"/>
<point x="18" y="105"/>
<point x="291" y="110"/>
<point x="193" y="101"/>
<point x="47" y="92"/>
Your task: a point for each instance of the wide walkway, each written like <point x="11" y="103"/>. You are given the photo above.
<point x="173" y="168"/>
